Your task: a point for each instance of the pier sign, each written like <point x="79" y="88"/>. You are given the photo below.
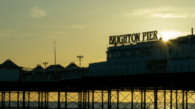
<point x="133" y="38"/>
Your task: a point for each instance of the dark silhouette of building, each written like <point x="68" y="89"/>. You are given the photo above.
<point x="8" y="64"/>
<point x="72" y="65"/>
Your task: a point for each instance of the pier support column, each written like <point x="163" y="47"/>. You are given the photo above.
<point x="183" y="99"/>
<point x="9" y="99"/>
<point x="102" y="99"/>
<point x="170" y="99"/>
<point x="88" y="100"/>
<point x="17" y="99"/>
<point x="109" y="99"/>
<point x="132" y="99"/>
<point x="92" y="99"/>
<point x="117" y="98"/>
<point x="45" y="99"/>
<point x="28" y="99"/>
<point x="155" y="98"/>
<point x="42" y="99"/>
<point x="186" y="99"/>
<point x="66" y="100"/>
<point x="2" y="99"/>
<point x="23" y="99"/>
<point x="164" y="99"/>
<point x="142" y="99"/>
<point x="39" y="100"/>
<point x="84" y="99"/>
<point x="176" y="99"/>
<point x="79" y="106"/>
<point x="58" y="98"/>
<point x="80" y="100"/>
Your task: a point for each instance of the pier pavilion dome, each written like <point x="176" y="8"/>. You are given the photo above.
<point x="9" y="64"/>
<point x="38" y="68"/>
<point x="72" y="65"/>
<point x="52" y="68"/>
<point x="9" y="71"/>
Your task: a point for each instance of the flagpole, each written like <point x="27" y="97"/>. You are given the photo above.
<point x="55" y="55"/>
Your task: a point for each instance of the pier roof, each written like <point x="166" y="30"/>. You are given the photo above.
<point x="38" y="67"/>
<point x="72" y="65"/>
<point x="58" y="66"/>
<point x="9" y="64"/>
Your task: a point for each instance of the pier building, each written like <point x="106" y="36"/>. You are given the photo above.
<point x="153" y="74"/>
<point x="149" y="56"/>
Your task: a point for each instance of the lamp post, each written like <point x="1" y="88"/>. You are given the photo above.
<point x="45" y="63"/>
<point x="80" y="57"/>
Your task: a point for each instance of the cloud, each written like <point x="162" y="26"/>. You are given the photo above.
<point x="76" y="26"/>
<point x="169" y="16"/>
<point x="162" y="12"/>
<point x="37" y="12"/>
<point x="140" y="12"/>
<point x="38" y="25"/>
<point x="16" y="34"/>
<point x="25" y="34"/>
<point x="6" y="33"/>
<point x="59" y="26"/>
<point x="60" y="32"/>
<point x="53" y="34"/>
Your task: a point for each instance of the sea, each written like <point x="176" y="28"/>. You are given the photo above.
<point x="97" y="105"/>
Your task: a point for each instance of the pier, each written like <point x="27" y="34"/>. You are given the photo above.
<point x="139" y="91"/>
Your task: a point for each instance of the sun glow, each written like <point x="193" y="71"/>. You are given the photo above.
<point x="166" y="35"/>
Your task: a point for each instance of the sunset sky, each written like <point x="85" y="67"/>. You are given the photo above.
<point x="28" y="29"/>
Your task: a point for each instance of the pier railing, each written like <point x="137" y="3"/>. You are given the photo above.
<point x="79" y="74"/>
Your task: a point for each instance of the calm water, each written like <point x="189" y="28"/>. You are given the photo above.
<point x="72" y="99"/>
<point x="97" y="105"/>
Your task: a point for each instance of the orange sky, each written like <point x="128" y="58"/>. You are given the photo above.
<point x="28" y="29"/>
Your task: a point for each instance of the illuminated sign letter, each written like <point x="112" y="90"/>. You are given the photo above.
<point x="118" y="39"/>
<point x="124" y="39"/>
<point x="144" y="35"/>
<point x="121" y="39"/>
<point x="114" y="39"/>
<point x="133" y="38"/>
<point x="129" y="37"/>
<point x="110" y="40"/>
<point x="155" y="35"/>
<point x="151" y="35"/>
<point x="148" y="36"/>
<point x="137" y="37"/>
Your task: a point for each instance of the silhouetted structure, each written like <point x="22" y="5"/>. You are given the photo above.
<point x="8" y="64"/>
<point x="38" y="68"/>
<point x="159" y="80"/>
<point x="72" y="65"/>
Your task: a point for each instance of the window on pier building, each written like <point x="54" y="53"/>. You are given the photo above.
<point x="138" y="52"/>
<point x="109" y="55"/>
<point x="122" y="53"/>
<point x="127" y="53"/>
<point x="117" y="54"/>
<point x="145" y="51"/>
<point x="170" y="51"/>
<point x="114" y="55"/>
<point x="132" y="53"/>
